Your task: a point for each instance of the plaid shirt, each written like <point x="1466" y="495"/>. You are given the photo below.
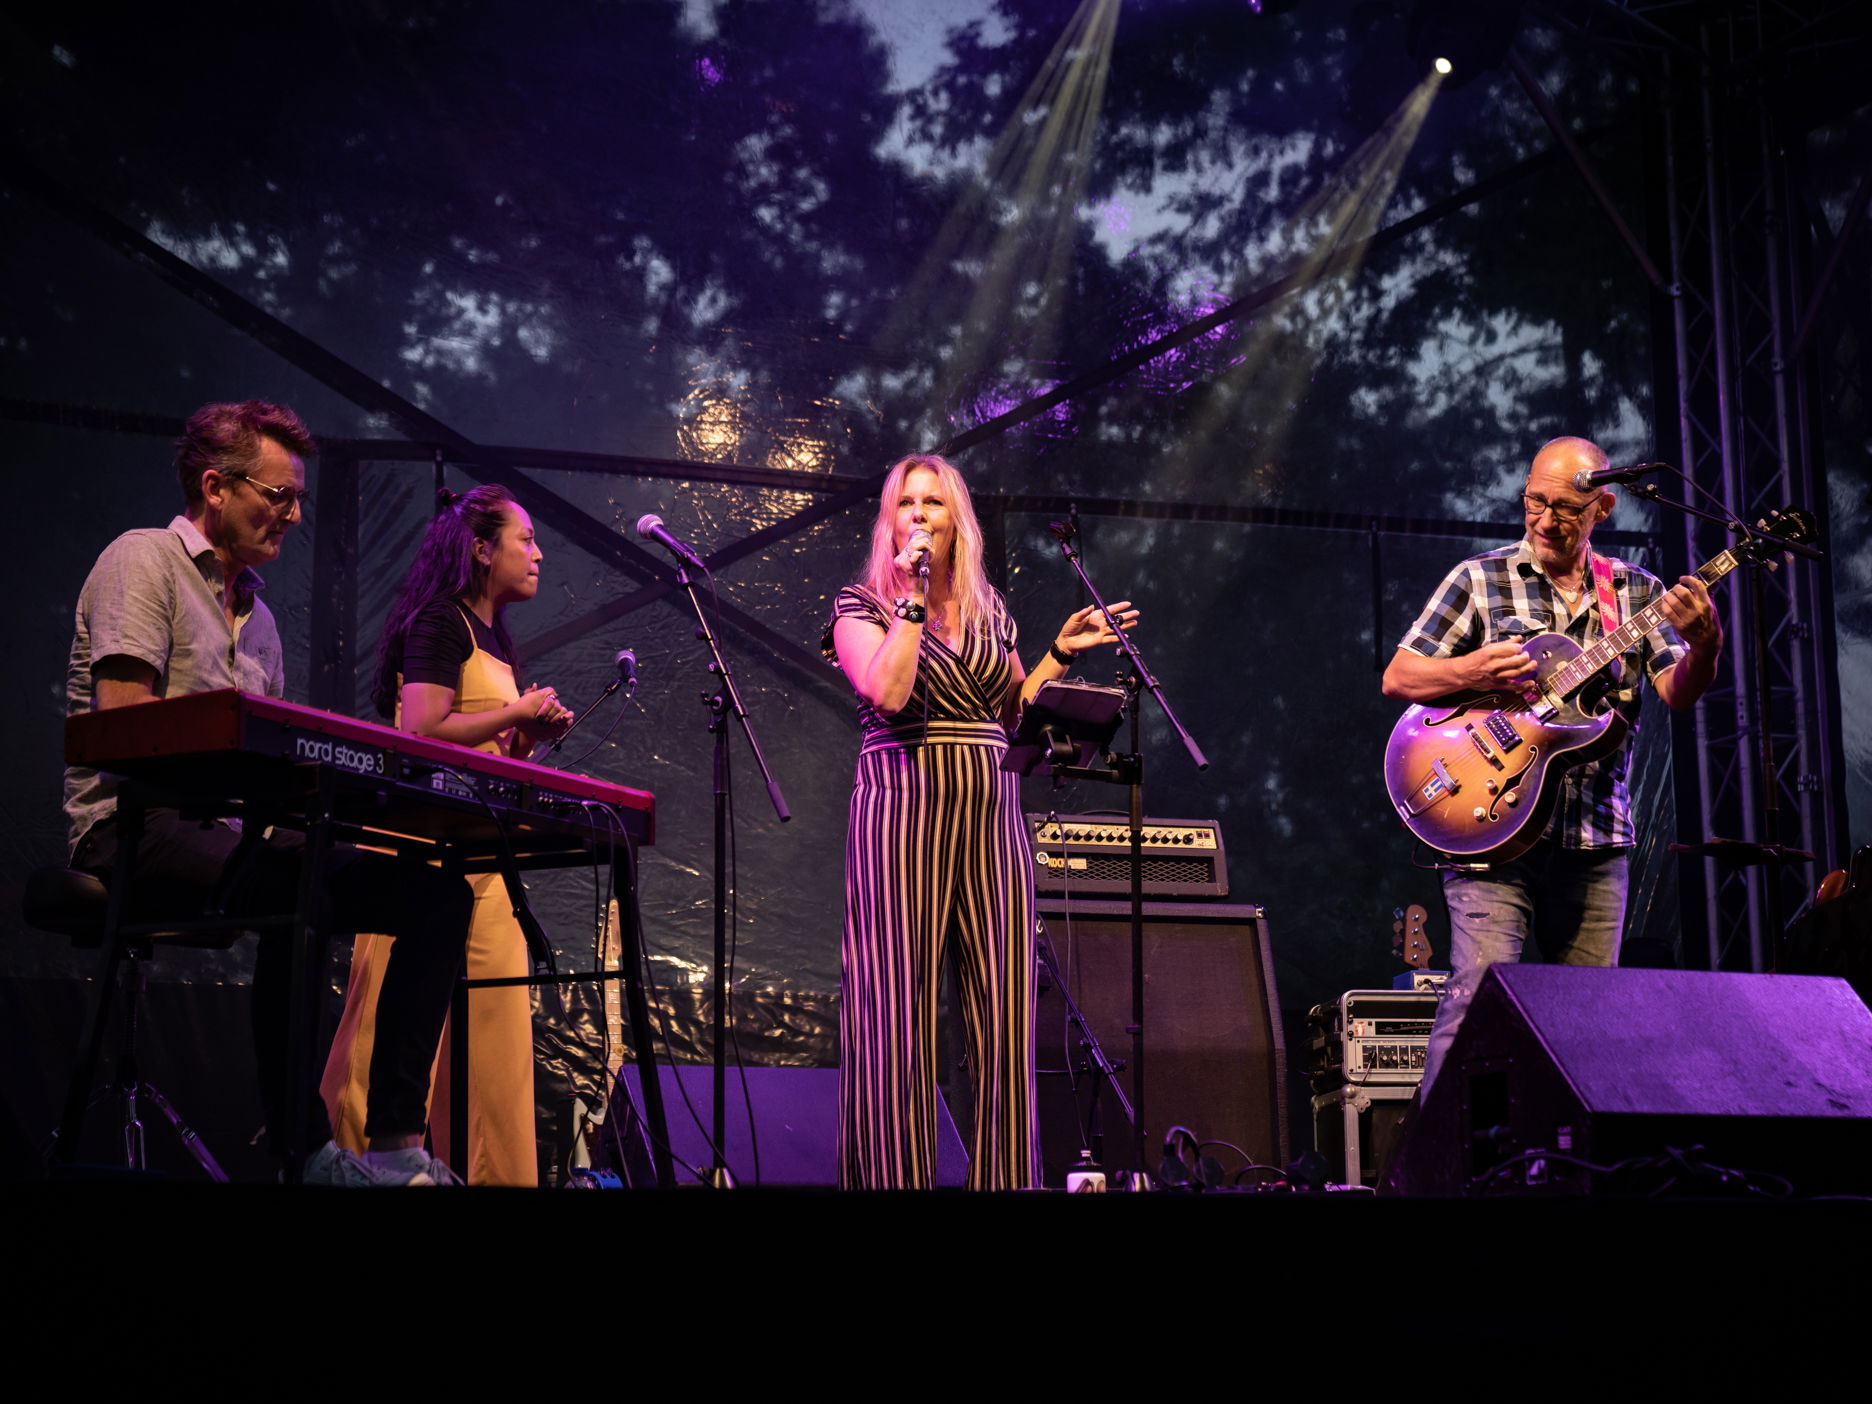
<point x="1504" y="595"/>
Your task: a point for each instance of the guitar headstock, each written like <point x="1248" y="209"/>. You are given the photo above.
<point x="1794" y="524"/>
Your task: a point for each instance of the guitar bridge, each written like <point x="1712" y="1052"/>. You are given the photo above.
<point x="1480" y="742"/>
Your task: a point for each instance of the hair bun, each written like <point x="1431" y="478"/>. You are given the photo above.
<point x="445" y="498"/>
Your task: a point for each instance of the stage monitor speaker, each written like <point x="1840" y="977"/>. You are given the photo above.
<point x="1559" y="1069"/>
<point x="1214" y="1059"/>
<point x="795" y="1117"/>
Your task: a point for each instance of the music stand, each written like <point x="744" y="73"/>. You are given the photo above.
<point x="1067" y="725"/>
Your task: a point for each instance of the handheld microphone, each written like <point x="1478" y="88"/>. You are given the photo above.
<point x="1589" y="479"/>
<point x="650" y="527"/>
<point x="627" y="667"/>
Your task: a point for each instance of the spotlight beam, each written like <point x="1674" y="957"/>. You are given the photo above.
<point x="1018" y="224"/>
<point x="1337" y="221"/>
<point x="1120" y="366"/>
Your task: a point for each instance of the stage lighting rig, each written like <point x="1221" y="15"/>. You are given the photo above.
<point x="1461" y="38"/>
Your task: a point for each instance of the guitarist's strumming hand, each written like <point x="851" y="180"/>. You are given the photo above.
<point x="1494" y="667"/>
<point x="1498" y="665"/>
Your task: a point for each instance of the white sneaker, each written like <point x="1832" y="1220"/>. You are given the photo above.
<point x="332" y="1164"/>
<point x="412" y="1167"/>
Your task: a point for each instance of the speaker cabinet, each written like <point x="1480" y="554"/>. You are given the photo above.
<point x="1557" y="1070"/>
<point x="1214" y="1060"/>
<point x="795" y="1120"/>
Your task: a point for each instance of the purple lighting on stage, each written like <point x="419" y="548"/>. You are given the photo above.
<point x="708" y="73"/>
<point x="993" y="398"/>
<point x="1180" y="367"/>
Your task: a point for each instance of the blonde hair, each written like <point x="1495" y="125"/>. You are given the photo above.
<point x="971" y="596"/>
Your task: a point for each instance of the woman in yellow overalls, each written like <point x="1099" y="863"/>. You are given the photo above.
<point x="446" y="670"/>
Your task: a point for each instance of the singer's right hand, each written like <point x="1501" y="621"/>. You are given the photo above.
<point x="918" y="546"/>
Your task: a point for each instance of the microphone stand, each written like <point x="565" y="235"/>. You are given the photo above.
<point x="1129" y="770"/>
<point x="610" y="687"/>
<point x="720" y="702"/>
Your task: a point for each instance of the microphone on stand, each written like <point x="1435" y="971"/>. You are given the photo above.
<point x="626" y="664"/>
<point x="650" y="527"/>
<point x="1588" y="479"/>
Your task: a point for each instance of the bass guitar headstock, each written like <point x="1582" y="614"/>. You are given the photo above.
<point x="1408" y="941"/>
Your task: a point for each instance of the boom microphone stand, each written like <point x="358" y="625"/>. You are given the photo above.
<point x="1128" y="770"/>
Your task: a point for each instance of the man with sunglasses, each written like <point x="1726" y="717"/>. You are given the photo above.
<point x="1568" y="890"/>
<point x="172" y="611"/>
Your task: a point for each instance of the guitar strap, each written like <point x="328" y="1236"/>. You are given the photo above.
<point x="1608" y="601"/>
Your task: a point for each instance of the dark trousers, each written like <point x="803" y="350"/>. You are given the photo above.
<point x="179" y="864"/>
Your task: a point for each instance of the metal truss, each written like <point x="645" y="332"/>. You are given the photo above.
<point x="1766" y="765"/>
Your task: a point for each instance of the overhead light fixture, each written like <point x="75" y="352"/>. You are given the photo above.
<point x="1466" y="38"/>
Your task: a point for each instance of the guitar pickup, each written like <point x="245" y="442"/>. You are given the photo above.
<point x="1480" y="742"/>
<point x="1503" y="731"/>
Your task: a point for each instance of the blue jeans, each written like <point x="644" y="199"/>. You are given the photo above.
<point x="1570" y="900"/>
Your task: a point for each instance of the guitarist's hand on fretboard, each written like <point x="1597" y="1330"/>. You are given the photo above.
<point x="1692" y="613"/>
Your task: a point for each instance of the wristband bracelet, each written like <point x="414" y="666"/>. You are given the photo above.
<point x="909" y="610"/>
<point x="1065" y="660"/>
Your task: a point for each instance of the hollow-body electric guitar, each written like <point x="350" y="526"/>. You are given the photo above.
<point x="1477" y="775"/>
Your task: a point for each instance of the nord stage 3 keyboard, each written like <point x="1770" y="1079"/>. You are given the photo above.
<point x="1089" y="855"/>
<point x="238" y="745"/>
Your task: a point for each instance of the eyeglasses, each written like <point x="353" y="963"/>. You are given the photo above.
<point x="1565" y="512"/>
<point x="280" y="499"/>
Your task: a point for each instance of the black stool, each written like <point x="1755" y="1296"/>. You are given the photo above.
<point x="76" y="905"/>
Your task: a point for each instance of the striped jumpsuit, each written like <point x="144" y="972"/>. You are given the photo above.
<point x="936" y="862"/>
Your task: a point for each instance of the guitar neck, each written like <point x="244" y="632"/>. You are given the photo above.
<point x="1577" y="673"/>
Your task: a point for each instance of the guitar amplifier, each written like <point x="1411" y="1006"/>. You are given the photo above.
<point x="1370" y="1037"/>
<point x="1089" y="855"/>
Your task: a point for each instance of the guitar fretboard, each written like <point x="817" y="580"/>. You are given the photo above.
<point x="1580" y="671"/>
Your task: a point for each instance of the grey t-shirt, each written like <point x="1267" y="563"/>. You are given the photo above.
<point x="155" y="595"/>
